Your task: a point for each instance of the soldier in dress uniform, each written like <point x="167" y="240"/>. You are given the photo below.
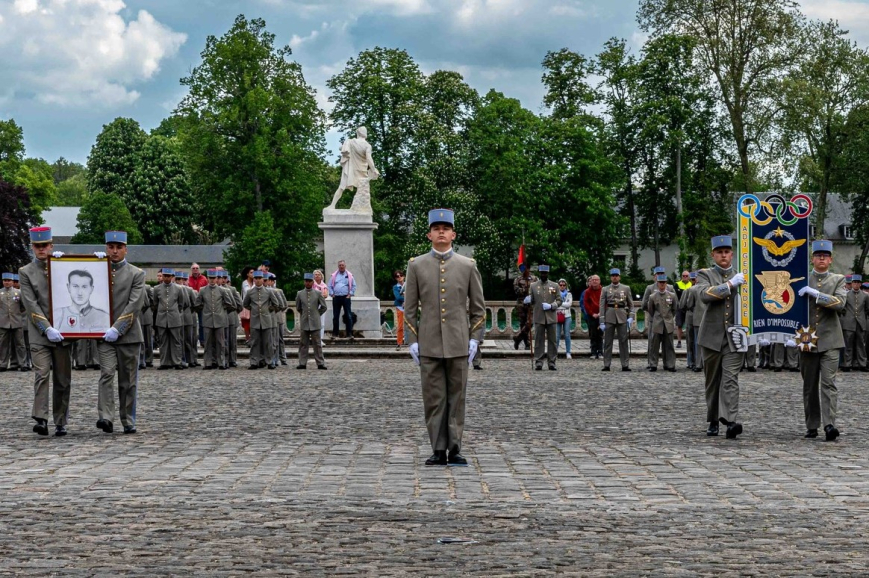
<point x="11" y="326"/>
<point x="718" y="287"/>
<point x="687" y="304"/>
<point x="49" y="352"/>
<point x="827" y="294"/>
<point x="215" y="303"/>
<point x="146" y="320"/>
<point x="865" y="288"/>
<point x="654" y="339"/>
<point x="310" y="305"/>
<point x="190" y="317"/>
<point x="521" y="288"/>
<point x="616" y="315"/>
<point x="662" y="311"/>
<point x="261" y="302"/>
<point x="446" y="291"/>
<point x="232" y="328"/>
<point x="544" y="298"/>
<point x="169" y="305"/>
<point x="854" y="326"/>
<point x="122" y="343"/>
<point x="16" y="284"/>
<point x="281" y="329"/>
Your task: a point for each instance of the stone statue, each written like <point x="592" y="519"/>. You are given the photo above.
<point x="357" y="170"/>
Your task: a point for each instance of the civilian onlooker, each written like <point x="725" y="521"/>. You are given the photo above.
<point x="591" y="302"/>
<point x="321" y="286"/>
<point x="197" y="281"/>
<point x="244" y="316"/>
<point x="342" y="288"/>
<point x="398" y="293"/>
<point x="562" y="318"/>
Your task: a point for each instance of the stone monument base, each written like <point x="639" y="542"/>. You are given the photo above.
<point x="367" y="310"/>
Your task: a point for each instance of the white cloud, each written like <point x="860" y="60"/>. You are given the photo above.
<point x="81" y="52"/>
<point x="852" y="15"/>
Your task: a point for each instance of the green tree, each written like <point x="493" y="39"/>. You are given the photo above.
<point x="851" y="176"/>
<point x="745" y="45"/>
<point x="253" y="139"/>
<point x="828" y="82"/>
<point x="162" y="202"/>
<point x="64" y="170"/>
<point x="11" y="148"/>
<point x="16" y="217"/>
<point x="73" y="192"/>
<point x="105" y="212"/>
<point x="565" y="76"/>
<point x="36" y="175"/>
<point x="114" y="157"/>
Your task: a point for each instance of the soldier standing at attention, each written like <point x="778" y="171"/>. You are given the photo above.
<point x="447" y="290"/>
<point x="11" y="325"/>
<point x="189" y="334"/>
<point x="718" y="287"/>
<point x="16" y="284"/>
<point x="311" y="305"/>
<point x="119" y="350"/>
<point x="654" y="339"/>
<point x="662" y="309"/>
<point x="169" y="304"/>
<point x="261" y="302"/>
<point x="826" y="293"/>
<point x="544" y="298"/>
<point x="232" y="328"/>
<point x="50" y="354"/>
<point x="522" y="287"/>
<point x="214" y="303"/>
<point x="854" y="325"/>
<point x="616" y="314"/>
<point x="146" y="320"/>
<point x="281" y="316"/>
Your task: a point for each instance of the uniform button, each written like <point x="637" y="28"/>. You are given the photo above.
<point x="443" y="310"/>
<point x="443" y="290"/>
<point x="443" y="270"/>
<point x="443" y="300"/>
<point x="443" y="280"/>
<point x="443" y="320"/>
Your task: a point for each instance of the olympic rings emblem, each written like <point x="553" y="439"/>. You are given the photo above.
<point x="774" y="207"/>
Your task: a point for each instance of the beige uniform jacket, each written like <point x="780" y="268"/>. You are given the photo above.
<point x="714" y="290"/>
<point x="650" y="289"/>
<point x="310" y="304"/>
<point x="824" y="311"/>
<point x="190" y="312"/>
<point x="169" y="303"/>
<point x="236" y="298"/>
<point x="215" y="302"/>
<point x="262" y="302"/>
<point x="662" y="308"/>
<point x="854" y="313"/>
<point x="448" y="291"/>
<point x="541" y="293"/>
<point x="11" y="308"/>
<point x="282" y="312"/>
<point x="128" y="293"/>
<point x="616" y="304"/>
<point x="34" y="293"/>
<point x="146" y="315"/>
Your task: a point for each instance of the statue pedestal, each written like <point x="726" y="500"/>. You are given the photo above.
<point x="349" y="236"/>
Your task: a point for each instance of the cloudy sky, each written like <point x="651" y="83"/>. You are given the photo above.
<point x="70" y="66"/>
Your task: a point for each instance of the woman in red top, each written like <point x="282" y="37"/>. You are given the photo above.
<point x="591" y="303"/>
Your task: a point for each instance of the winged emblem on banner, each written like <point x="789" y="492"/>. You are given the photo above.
<point x="779" y="250"/>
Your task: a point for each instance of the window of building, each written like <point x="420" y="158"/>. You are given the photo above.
<point x="620" y="261"/>
<point x="848" y="232"/>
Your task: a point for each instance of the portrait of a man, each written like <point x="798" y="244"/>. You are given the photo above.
<point x="81" y="315"/>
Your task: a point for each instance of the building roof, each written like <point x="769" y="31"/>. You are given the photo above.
<point x="159" y="254"/>
<point x="62" y="220"/>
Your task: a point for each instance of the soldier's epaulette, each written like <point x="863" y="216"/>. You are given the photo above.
<point x="412" y="258"/>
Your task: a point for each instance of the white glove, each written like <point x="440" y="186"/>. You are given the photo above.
<point x="602" y="326"/>
<point x="809" y="291"/>
<point x="630" y="322"/>
<point x="99" y="255"/>
<point x="57" y="254"/>
<point x="527" y="300"/>
<point x="790" y="343"/>
<point x="473" y="344"/>
<point x="547" y="306"/>
<point x="111" y="335"/>
<point x="414" y="352"/>
<point x="738" y="279"/>
<point x="764" y="342"/>
<point x="53" y="334"/>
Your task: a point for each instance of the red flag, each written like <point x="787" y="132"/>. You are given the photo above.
<point x="521" y="261"/>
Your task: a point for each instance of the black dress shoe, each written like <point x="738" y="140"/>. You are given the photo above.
<point x="272" y="366"/>
<point x="626" y="369"/>
<point x="41" y="427"/>
<point x="515" y="345"/>
<point x="478" y="367"/>
<point x="712" y="430"/>
<point x="653" y="369"/>
<point x="552" y="368"/>
<point x="283" y="362"/>
<point x="179" y="367"/>
<point x="206" y="368"/>
<point x="794" y="369"/>
<point x="253" y="367"/>
<point x="223" y="367"/>
<point x="323" y="367"/>
<point x="59" y="431"/>
<point x="163" y="368"/>
<point x="670" y="369"/>
<point x="129" y="429"/>
<point x="538" y="368"/>
<point x="846" y="369"/>
<point x="698" y="369"/>
<point x="149" y="364"/>
<point x="300" y="366"/>
<point x="457" y="459"/>
<point x="141" y="367"/>
<point x="105" y="425"/>
<point x="80" y="367"/>
<point x="733" y="430"/>
<point x="777" y="370"/>
<point x="605" y="369"/>
<point x="439" y="458"/>
<point x="24" y="369"/>
<point x="832" y="432"/>
<point x="812" y="433"/>
<point x="752" y="369"/>
<point x="3" y="369"/>
<point x="233" y="364"/>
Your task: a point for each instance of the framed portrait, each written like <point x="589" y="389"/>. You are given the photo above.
<point x="80" y="291"/>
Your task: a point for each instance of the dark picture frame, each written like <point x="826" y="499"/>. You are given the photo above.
<point x="80" y="296"/>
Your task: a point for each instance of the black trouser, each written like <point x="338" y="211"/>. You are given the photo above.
<point x="342" y="302"/>
<point x="524" y="327"/>
<point x="595" y="335"/>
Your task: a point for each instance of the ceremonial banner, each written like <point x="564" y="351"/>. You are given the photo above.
<point x="774" y="255"/>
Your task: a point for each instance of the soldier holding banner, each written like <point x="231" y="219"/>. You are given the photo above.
<point x="820" y="346"/>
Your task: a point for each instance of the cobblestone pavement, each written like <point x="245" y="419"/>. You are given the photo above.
<point x="320" y="473"/>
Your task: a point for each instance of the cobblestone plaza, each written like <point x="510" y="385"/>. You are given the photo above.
<point x="320" y="473"/>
